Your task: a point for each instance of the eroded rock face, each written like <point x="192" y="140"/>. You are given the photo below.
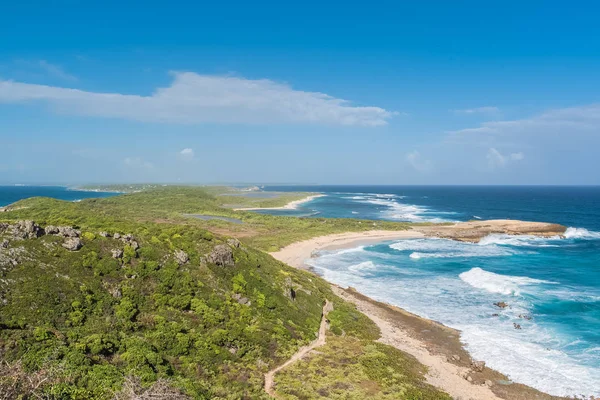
<point x="26" y="230"/>
<point x="72" y="244"/>
<point x="68" y="232"/>
<point x="51" y="230"/>
<point x="221" y="255"/>
<point x="181" y="257"/>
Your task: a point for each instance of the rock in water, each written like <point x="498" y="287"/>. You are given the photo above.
<point x="72" y="244"/>
<point x="501" y="304"/>
<point x="181" y="257"/>
<point x="221" y="255"/>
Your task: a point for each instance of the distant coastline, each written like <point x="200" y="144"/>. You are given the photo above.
<point x="292" y="205"/>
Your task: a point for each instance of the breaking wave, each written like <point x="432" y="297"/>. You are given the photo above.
<point x="496" y="283"/>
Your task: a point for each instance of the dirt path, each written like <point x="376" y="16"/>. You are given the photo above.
<point x="319" y="341"/>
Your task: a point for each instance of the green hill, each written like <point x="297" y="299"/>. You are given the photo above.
<point x="111" y="297"/>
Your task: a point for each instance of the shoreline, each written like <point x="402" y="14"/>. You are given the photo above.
<point x="438" y="347"/>
<point x="292" y="205"/>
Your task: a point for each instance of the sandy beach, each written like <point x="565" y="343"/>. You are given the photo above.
<point x="436" y="346"/>
<point x="292" y="205"/>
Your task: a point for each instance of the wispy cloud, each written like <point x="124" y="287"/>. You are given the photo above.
<point x="584" y="118"/>
<point x="194" y="99"/>
<point x="478" y="110"/>
<point x="44" y="67"/>
<point x="187" y="154"/>
<point x="138" y="163"/>
<point x="498" y="160"/>
<point x="56" y="71"/>
<point x="420" y="164"/>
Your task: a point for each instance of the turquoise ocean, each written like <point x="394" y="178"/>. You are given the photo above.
<point x="552" y="286"/>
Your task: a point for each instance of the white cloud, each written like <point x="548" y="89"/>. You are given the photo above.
<point x="187" y="154"/>
<point x="478" y="110"/>
<point x="498" y="160"/>
<point x="417" y="161"/>
<point x="137" y="162"/>
<point x="194" y="99"/>
<point x="585" y="118"/>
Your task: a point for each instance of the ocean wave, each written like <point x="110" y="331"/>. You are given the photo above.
<point x="517" y="240"/>
<point x="445" y="248"/>
<point x="496" y="283"/>
<point x="363" y="266"/>
<point x="581" y="233"/>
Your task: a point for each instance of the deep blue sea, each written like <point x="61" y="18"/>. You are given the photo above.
<point x="552" y="285"/>
<point x="10" y="194"/>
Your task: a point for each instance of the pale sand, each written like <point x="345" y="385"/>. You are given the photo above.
<point x="297" y="253"/>
<point x="292" y="205"/>
<point x="442" y="373"/>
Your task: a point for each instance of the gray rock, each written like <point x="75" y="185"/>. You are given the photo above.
<point x="469" y="379"/>
<point x="456" y="357"/>
<point x="221" y="255"/>
<point x="72" y="244"/>
<point x="104" y="234"/>
<point x="233" y="242"/>
<point x="478" y="366"/>
<point x="51" y="230"/>
<point x="26" y="230"/>
<point x="134" y="245"/>
<point x="3" y="227"/>
<point x="4" y="244"/>
<point x="181" y="257"/>
<point x="501" y="304"/>
<point x="117" y="253"/>
<point x="244" y="300"/>
<point x="517" y="326"/>
<point x="68" y="232"/>
<point x="117" y="235"/>
<point x="489" y="383"/>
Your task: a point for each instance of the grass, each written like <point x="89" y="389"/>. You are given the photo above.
<point x="85" y="323"/>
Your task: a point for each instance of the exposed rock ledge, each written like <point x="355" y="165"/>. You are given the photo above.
<point x="473" y="231"/>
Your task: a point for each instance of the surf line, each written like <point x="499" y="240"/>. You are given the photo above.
<point x="318" y="342"/>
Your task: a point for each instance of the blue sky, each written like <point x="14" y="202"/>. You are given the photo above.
<point x="379" y="92"/>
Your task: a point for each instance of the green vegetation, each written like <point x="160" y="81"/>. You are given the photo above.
<point x="352" y="369"/>
<point x="130" y="314"/>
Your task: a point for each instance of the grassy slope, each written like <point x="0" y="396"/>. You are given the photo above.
<point x="88" y="320"/>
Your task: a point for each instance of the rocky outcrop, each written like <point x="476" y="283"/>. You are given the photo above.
<point x="104" y="234"/>
<point x="72" y="244"/>
<point x="26" y="230"/>
<point x="474" y="231"/>
<point x="68" y="232"/>
<point x="181" y="257"/>
<point x="4" y="244"/>
<point x="221" y="255"/>
<point x="117" y="253"/>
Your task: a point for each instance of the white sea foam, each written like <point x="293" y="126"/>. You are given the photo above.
<point x="581" y="233"/>
<point x="445" y="248"/>
<point x="520" y="240"/>
<point x="496" y="283"/>
<point x="363" y="266"/>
